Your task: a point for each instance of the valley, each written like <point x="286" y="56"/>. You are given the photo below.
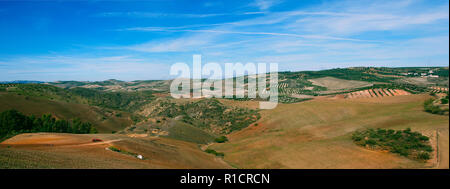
<point x="141" y="126"/>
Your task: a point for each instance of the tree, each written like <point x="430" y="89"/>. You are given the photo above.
<point x="221" y="139"/>
<point x="13" y="122"/>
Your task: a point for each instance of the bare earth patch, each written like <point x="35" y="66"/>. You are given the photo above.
<point x="332" y="83"/>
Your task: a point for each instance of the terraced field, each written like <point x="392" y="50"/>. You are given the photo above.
<point x="374" y="93"/>
<point x="438" y="89"/>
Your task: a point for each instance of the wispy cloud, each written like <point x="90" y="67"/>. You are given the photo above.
<point x="264" y="4"/>
<point x="354" y="23"/>
<point x="174" y="15"/>
<point x="317" y="36"/>
<point x="312" y="37"/>
<point x="175" y="29"/>
<point x="51" y="68"/>
<point x="155" y="15"/>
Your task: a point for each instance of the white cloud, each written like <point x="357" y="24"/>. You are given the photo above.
<point x="180" y="44"/>
<point x="361" y="17"/>
<point x="157" y="14"/>
<point x="264" y="4"/>
<point x="51" y="68"/>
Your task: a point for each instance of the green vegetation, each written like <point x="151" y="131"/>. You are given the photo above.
<point x="186" y="132"/>
<point x="444" y="100"/>
<point x="13" y="122"/>
<point x="211" y="151"/>
<point x="103" y="118"/>
<point x="124" y="101"/>
<point x="404" y="142"/>
<point x="207" y="114"/>
<point x="115" y="149"/>
<point x="431" y="107"/>
<point x="359" y="74"/>
<point x="380" y="77"/>
<point x="221" y="139"/>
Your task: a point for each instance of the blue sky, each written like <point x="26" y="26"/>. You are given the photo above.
<point x="139" y="40"/>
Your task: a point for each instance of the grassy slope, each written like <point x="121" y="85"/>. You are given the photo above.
<point x="317" y="134"/>
<point x="186" y="132"/>
<point x="77" y="151"/>
<point x="64" y="110"/>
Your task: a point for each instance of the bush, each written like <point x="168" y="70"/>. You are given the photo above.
<point x="371" y="142"/>
<point x="112" y="148"/>
<point x="404" y="142"/>
<point x="221" y="139"/>
<point x="431" y="108"/>
<point x="219" y="154"/>
<point x="423" y="156"/>
<point x="424" y="138"/>
<point x="444" y="101"/>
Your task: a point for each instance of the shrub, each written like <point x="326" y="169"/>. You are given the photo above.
<point x="112" y="148"/>
<point x="371" y="142"/>
<point x="424" y="138"/>
<point x="357" y="137"/>
<point x="404" y="142"/>
<point x="211" y="151"/>
<point x="221" y="139"/>
<point x="423" y="156"/>
<point x="431" y="108"/>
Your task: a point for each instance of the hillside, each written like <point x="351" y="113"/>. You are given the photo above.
<point x="105" y="120"/>
<point x="317" y="134"/>
<point x="45" y="150"/>
<point x="199" y="121"/>
<point x="293" y="84"/>
<point x="312" y="126"/>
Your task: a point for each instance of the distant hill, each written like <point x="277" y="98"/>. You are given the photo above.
<point x="290" y="84"/>
<point x="20" y="82"/>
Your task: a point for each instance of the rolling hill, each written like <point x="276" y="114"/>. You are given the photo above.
<point x="311" y="127"/>
<point x="105" y="120"/>
<point x="50" y="150"/>
<point x="317" y="134"/>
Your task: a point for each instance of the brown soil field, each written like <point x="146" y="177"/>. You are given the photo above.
<point x="317" y="134"/>
<point x="51" y="150"/>
<point x="332" y="83"/>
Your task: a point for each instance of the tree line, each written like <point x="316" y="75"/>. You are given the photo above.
<point x="14" y="122"/>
